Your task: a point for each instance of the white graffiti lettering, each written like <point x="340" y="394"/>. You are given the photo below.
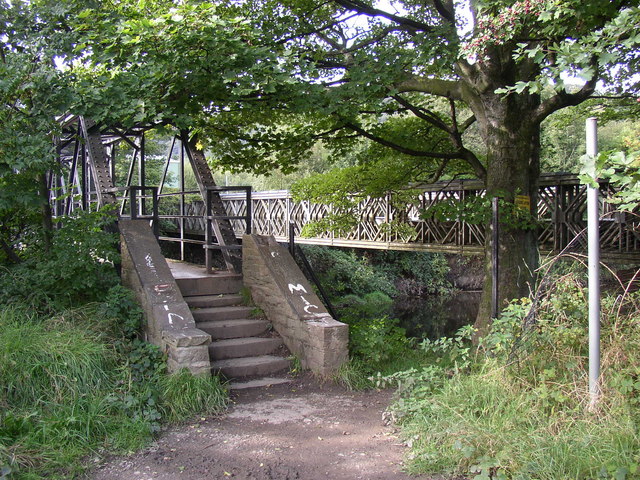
<point x="306" y="302"/>
<point x="309" y="306"/>
<point x="149" y="262"/>
<point x="174" y="315"/>
<point x="296" y="288"/>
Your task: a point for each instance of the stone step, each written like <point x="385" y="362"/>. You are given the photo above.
<point x="243" y="347"/>
<point x="237" y="328"/>
<point x="210" y="285"/>
<point x="258" y="383"/>
<point x="222" y="300"/>
<point x="250" y="366"/>
<point x="212" y="314"/>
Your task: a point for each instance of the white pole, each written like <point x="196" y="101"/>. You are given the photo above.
<point x="594" y="269"/>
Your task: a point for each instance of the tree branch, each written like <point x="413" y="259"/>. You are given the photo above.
<point x="433" y="86"/>
<point x="467" y="123"/>
<point x="563" y="99"/>
<point x="400" y="148"/>
<point x="363" y="8"/>
<point x="423" y="114"/>
<point x="446" y="11"/>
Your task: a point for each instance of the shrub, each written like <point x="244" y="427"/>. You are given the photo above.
<point x="78" y="269"/>
<point x="519" y="406"/>
<point x="343" y="272"/>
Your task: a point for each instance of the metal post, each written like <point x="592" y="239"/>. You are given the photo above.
<point x="494" y="256"/>
<point x="156" y="219"/>
<point x="133" y="203"/>
<point x="208" y="231"/>
<point x="594" y="268"/>
<point x="292" y="239"/>
<point x="142" y="173"/>
<point x="249" y="211"/>
<point x="181" y="221"/>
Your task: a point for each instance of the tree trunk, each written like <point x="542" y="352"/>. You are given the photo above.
<point x="513" y="169"/>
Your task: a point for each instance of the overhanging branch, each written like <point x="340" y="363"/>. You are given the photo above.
<point x="563" y="99"/>
<point x="433" y="86"/>
<point x="363" y="8"/>
<point x="400" y="148"/>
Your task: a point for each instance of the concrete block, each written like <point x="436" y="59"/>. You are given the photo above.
<point x="279" y="287"/>
<point x="168" y="320"/>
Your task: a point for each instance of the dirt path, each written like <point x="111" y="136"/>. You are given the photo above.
<point x="294" y="431"/>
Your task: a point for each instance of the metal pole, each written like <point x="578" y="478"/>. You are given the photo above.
<point x="495" y="239"/>
<point x="292" y="237"/>
<point x="594" y="269"/>
<point x="249" y="211"/>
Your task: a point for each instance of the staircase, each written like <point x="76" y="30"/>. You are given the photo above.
<point x="244" y="348"/>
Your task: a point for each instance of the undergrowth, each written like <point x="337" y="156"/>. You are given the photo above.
<point x="361" y="287"/>
<point x="517" y="407"/>
<point x="78" y="384"/>
<point x="75" y="380"/>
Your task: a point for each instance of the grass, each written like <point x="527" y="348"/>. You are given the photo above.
<point x="518" y="408"/>
<point x="183" y="394"/>
<point x="481" y="423"/>
<point x="68" y="393"/>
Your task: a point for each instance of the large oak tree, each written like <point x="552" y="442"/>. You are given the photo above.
<point x="502" y="66"/>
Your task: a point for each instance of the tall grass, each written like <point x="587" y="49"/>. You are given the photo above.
<point x="183" y="394"/>
<point x="68" y="392"/>
<point x="519" y="406"/>
<point x="55" y="379"/>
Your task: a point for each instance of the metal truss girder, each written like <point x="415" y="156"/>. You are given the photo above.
<point x="222" y="228"/>
<point x="98" y="161"/>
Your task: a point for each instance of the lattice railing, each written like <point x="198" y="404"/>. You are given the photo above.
<point x="561" y="210"/>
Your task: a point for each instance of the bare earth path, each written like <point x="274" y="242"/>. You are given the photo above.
<point x="301" y="430"/>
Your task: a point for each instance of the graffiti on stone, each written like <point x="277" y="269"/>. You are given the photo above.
<point x="295" y="290"/>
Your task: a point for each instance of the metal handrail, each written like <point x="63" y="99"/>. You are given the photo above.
<point x="133" y="199"/>
<point x="298" y="253"/>
<point x="208" y="236"/>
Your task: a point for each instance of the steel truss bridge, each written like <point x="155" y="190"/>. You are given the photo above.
<point x="102" y="166"/>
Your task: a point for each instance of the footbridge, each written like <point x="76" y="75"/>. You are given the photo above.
<point x="562" y="205"/>
<point x="102" y="165"/>
<point x="196" y="316"/>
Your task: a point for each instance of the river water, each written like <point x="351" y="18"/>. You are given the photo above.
<point x="436" y="316"/>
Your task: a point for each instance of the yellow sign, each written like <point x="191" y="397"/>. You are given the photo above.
<point x="523" y="202"/>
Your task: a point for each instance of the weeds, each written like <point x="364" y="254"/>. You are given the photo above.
<point x="70" y="387"/>
<point x="517" y="406"/>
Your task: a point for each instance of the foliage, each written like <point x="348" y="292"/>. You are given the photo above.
<point x="343" y="272"/>
<point x="563" y="134"/>
<point x="347" y="272"/>
<point x="77" y="381"/>
<point x="120" y="308"/>
<point x="623" y="172"/>
<point x="518" y="407"/>
<point x="58" y="379"/>
<point x="415" y="273"/>
<point x="377" y="340"/>
<point x="78" y="269"/>
<point x="183" y="394"/>
<point x="71" y="385"/>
